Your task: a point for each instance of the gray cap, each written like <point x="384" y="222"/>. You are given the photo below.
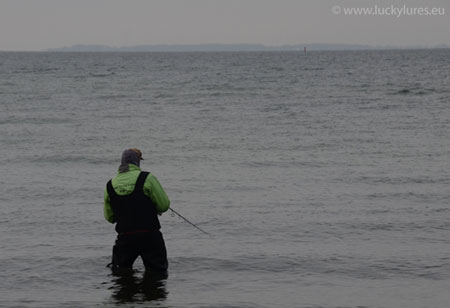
<point x="130" y="156"/>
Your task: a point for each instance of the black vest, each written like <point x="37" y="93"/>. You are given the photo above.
<point x="133" y="212"/>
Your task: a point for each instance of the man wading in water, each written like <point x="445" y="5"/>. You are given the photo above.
<point x="133" y="200"/>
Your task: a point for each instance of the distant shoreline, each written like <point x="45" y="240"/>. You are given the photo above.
<point x="230" y="48"/>
<point x="211" y="47"/>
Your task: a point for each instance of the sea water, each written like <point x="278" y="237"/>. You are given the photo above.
<point x="323" y="177"/>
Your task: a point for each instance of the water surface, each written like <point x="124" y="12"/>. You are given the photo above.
<point x="323" y="177"/>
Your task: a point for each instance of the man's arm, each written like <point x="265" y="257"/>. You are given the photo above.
<point x="154" y="190"/>
<point x="107" y="210"/>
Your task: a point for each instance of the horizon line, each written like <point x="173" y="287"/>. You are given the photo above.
<point x="226" y="47"/>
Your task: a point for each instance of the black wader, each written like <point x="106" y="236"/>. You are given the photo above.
<point x="138" y="229"/>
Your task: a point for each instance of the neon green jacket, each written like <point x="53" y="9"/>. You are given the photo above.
<point x="124" y="183"/>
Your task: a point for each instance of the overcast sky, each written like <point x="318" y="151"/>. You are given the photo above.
<point x="41" y="24"/>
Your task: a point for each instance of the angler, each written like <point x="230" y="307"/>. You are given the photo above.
<point x="133" y="200"/>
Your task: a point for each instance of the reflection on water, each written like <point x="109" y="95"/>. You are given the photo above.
<point x="129" y="287"/>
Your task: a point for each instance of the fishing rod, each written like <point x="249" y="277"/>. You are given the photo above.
<point x="186" y="220"/>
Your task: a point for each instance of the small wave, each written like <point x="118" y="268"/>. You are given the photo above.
<point x="61" y="158"/>
<point x="38" y="70"/>
<point x="386" y="269"/>
<point x="112" y="96"/>
<point x="415" y="91"/>
<point x="400" y="180"/>
<point x="340" y="265"/>
<point x="422" y="198"/>
<point x="163" y="95"/>
<point x="35" y="120"/>
<point x="8" y="83"/>
<point x="240" y="264"/>
<point x="277" y="68"/>
<point x="404" y="91"/>
<point x="282" y="164"/>
<point x="47" y="69"/>
<point x="99" y="75"/>
<point x="313" y="69"/>
<point x="396" y="226"/>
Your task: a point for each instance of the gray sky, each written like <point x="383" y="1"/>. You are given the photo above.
<point x="41" y="24"/>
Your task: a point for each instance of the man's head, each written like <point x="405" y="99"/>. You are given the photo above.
<point x="131" y="156"/>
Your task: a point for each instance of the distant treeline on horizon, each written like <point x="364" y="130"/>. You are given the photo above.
<point x="228" y="47"/>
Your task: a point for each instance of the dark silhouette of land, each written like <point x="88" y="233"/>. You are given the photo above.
<point x="225" y="47"/>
